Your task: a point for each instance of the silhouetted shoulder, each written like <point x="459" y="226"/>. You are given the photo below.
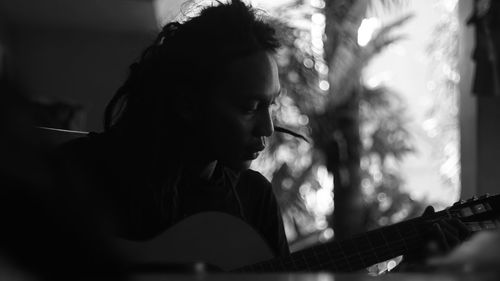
<point x="254" y="179"/>
<point x="257" y="191"/>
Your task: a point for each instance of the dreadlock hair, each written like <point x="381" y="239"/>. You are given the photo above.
<point x="185" y="62"/>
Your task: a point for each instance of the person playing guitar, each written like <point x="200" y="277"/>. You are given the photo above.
<point x="182" y="130"/>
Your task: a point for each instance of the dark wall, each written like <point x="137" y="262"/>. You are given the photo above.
<point x="79" y="66"/>
<point x="468" y="105"/>
<point x="479" y="120"/>
<point x="488" y="122"/>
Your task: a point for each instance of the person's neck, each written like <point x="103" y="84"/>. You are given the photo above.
<point x="207" y="171"/>
<point x="202" y="170"/>
<point x="197" y="163"/>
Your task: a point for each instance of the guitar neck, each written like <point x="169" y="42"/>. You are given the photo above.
<point x="351" y="254"/>
<point x="385" y="243"/>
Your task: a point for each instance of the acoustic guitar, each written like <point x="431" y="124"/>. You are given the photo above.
<point x="232" y="245"/>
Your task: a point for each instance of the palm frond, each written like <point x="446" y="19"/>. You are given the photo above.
<point x="290" y="132"/>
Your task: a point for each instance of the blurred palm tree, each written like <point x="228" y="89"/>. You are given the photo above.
<point x="357" y="133"/>
<point x="346" y="59"/>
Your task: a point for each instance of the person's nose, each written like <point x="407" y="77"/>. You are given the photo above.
<point x="264" y="126"/>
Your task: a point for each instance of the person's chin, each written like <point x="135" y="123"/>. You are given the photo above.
<point x="239" y="166"/>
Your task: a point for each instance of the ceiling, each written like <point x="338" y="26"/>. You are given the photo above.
<point x="116" y="15"/>
<point x="103" y="15"/>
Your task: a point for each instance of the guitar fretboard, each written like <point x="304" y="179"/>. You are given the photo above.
<point x="347" y="255"/>
<point x="352" y="254"/>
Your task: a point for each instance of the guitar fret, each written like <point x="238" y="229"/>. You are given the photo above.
<point x="269" y="267"/>
<point x="343" y="264"/>
<point x="301" y="263"/>
<point x="377" y="258"/>
<point x="407" y="229"/>
<point x="318" y="261"/>
<point x="306" y="264"/>
<point x="340" y="261"/>
<point x="338" y="255"/>
<point x="404" y="241"/>
<point x="281" y="264"/>
<point x="293" y="264"/>
<point x="361" y="248"/>
<point x="284" y="264"/>
<point x="376" y="238"/>
<point x="324" y="254"/>
<point x="390" y="235"/>
<point x="386" y="243"/>
<point x="352" y="262"/>
<point x="313" y="257"/>
<point x="372" y="250"/>
<point x="255" y="267"/>
<point x="295" y="267"/>
<point x="337" y="265"/>
<point x="355" y="256"/>
<point x="346" y="258"/>
<point x="298" y="264"/>
<point x="265" y="267"/>
<point x="360" y="251"/>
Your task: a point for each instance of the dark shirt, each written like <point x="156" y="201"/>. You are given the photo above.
<point x="139" y="210"/>
<point x="44" y="238"/>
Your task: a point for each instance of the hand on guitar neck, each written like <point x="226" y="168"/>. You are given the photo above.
<point x="440" y="238"/>
<point x="481" y="253"/>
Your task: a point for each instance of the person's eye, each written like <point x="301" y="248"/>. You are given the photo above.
<point x="249" y="108"/>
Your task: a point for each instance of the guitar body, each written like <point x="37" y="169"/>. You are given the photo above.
<point x="216" y="238"/>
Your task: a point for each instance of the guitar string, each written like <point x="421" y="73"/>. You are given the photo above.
<point x="353" y="261"/>
<point x="405" y="239"/>
<point x="361" y="259"/>
<point x="335" y="260"/>
<point x="295" y="264"/>
<point x="367" y="250"/>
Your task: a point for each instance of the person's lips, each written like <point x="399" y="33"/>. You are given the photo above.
<point x="254" y="152"/>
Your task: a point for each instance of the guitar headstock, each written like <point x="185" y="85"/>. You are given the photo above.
<point x="478" y="213"/>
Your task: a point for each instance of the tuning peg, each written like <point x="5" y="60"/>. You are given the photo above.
<point x="473" y="198"/>
<point x="484" y="196"/>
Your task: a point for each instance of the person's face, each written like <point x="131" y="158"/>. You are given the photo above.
<point x="237" y="119"/>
